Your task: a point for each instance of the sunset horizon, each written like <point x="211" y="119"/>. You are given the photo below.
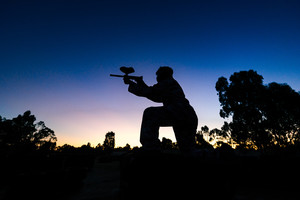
<point x="56" y="58"/>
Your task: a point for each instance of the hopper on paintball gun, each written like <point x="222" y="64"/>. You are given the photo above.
<point x="126" y="71"/>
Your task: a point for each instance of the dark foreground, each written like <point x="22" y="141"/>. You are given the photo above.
<point x="170" y="176"/>
<point x="124" y="176"/>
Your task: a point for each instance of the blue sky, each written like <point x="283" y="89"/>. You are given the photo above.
<point x="56" y="57"/>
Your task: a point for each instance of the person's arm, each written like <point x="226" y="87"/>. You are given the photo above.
<point x="140" y="88"/>
<point x="154" y="93"/>
<point x="137" y="87"/>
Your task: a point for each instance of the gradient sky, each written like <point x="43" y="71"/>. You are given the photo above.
<point x="56" y="57"/>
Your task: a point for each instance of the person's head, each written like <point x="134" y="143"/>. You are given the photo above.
<point x="164" y="73"/>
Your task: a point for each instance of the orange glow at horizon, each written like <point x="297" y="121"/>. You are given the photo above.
<point x="87" y="127"/>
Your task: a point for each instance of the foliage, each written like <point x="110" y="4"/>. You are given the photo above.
<point x="167" y="144"/>
<point x="127" y="147"/>
<point x="262" y="115"/>
<point x="200" y="141"/>
<point x="282" y="113"/>
<point x="22" y="133"/>
<point x="66" y="148"/>
<point x="109" y="142"/>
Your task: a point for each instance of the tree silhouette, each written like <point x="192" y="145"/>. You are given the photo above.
<point x="261" y="115"/>
<point x="282" y="113"/>
<point x="200" y="142"/>
<point x="23" y="134"/>
<point x="99" y="147"/>
<point x="109" y="142"/>
<point x="66" y="148"/>
<point x="167" y="143"/>
<point x="127" y="147"/>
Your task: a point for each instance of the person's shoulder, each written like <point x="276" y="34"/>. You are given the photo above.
<point x="169" y="81"/>
<point x="173" y="82"/>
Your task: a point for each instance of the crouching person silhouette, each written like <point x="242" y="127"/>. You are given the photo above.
<point x="176" y="111"/>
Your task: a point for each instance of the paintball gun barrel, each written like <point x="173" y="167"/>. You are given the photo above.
<point x="126" y="71"/>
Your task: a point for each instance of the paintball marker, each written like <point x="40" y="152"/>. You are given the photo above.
<point x="126" y="71"/>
